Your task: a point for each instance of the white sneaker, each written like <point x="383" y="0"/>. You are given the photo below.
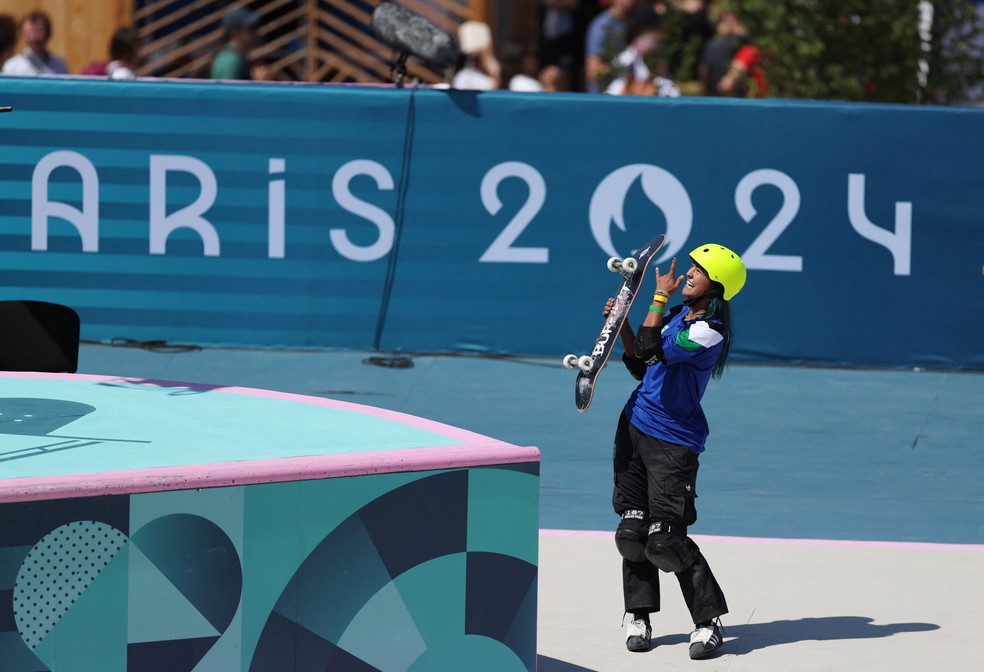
<point x="637" y="635"/>
<point x="705" y="640"/>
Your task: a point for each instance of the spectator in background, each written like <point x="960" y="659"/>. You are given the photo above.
<point x="639" y="70"/>
<point x="562" y="25"/>
<point x="607" y="38"/>
<point x="478" y="68"/>
<point x="262" y="70"/>
<point x="745" y="77"/>
<point x="8" y="37"/>
<point x="691" y="29"/>
<point x="35" y="60"/>
<point x="554" y="78"/>
<point x="233" y="62"/>
<point x="715" y="60"/>
<point x="520" y="67"/>
<point x="123" y="48"/>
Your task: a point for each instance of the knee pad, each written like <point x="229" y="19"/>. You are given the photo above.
<point x="630" y="536"/>
<point x="671" y="553"/>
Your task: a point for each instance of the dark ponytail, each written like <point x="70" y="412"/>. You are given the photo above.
<point x="720" y="309"/>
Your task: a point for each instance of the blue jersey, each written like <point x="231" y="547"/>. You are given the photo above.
<point x="666" y="404"/>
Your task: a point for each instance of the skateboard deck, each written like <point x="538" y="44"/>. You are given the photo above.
<point x="633" y="271"/>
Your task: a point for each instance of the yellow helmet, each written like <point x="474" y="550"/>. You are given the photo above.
<point x="723" y="267"/>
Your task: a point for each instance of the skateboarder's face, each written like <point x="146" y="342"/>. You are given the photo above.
<point x="697" y="282"/>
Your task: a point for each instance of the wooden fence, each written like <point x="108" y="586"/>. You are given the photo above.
<point x="300" y="40"/>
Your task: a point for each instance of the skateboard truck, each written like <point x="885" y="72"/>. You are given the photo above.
<point x="626" y="266"/>
<point x="584" y="362"/>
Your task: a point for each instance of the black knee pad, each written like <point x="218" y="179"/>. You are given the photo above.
<point x="630" y="536"/>
<point x="671" y="552"/>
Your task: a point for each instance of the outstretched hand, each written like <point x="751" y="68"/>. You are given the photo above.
<point x="669" y="283"/>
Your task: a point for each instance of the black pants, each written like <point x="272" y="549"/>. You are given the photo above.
<point x="660" y="479"/>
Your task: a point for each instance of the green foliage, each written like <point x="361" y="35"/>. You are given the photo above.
<point x="867" y="50"/>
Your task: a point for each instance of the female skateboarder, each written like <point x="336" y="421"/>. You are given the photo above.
<point x="660" y="436"/>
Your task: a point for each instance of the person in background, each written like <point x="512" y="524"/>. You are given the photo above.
<point x="233" y="62"/>
<point x="692" y="28"/>
<point x="660" y="436"/>
<point x="638" y="70"/>
<point x="554" y="78"/>
<point x="607" y="37"/>
<point x="8" y="37"/>
<point x="123" y="49"/>
<point x="715" y="60"/>
<point x="478" y="68"/>
<point x="521" y="67"/>
<point x="35" y="60"/>
<point x="745" y="76"/>
<point x="561" y="36"/>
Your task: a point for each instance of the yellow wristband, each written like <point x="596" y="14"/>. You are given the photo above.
<point x="659" y="298"/>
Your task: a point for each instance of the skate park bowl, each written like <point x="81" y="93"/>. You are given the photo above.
<point x="221" y="528"/>
<point x="281" y="237"/>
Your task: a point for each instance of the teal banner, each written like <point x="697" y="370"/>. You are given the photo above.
<point x="426" y="220"/>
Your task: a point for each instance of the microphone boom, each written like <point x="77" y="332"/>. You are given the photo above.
<point x="413" y="35"/>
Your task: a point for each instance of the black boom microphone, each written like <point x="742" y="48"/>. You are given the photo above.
<point x="412" y="35"/>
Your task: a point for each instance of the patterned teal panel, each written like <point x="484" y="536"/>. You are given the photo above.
<point x="279" y="577"/>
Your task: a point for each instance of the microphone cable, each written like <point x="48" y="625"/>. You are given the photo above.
<point x="401" y="196"/>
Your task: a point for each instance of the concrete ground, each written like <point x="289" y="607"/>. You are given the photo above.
<point x="841" y="510"/>
<point x="795" y="605"/>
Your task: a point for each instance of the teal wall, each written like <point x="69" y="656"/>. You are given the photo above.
<point x="409" y="571"/>
<point x="424" y="220"/>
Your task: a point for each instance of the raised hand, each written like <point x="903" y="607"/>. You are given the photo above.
<point x="668" y="283"/>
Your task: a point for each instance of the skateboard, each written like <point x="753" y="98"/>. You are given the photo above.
<point x="633" y="272"/>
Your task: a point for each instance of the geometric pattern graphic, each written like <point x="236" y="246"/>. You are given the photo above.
<point x="405" y="592"/>
<point x="416" y="571"/>
<point x="100" y="622"/>
<point x="57" y="571"/>
<point x="187" y="579"/>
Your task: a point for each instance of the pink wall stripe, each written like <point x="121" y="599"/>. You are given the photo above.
<point x="765" y="541"/>
<point x="225" y="474"/>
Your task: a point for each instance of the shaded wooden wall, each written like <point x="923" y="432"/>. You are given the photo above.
<point x="306" y="40"/>
<point x="81" y="29"/>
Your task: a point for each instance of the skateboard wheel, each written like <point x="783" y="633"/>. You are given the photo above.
<point x="585" y="363"/>
<point x="614" y="264"/>
<point x="570" y="362"/>
<point x="630" y="265"/>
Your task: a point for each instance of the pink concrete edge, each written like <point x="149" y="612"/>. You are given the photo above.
<point x="768" y="541"/>
<point x="433" y="426"/>
<point x="187" y="477"/>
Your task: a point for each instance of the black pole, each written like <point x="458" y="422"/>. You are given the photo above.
<point x="401" y="69"/>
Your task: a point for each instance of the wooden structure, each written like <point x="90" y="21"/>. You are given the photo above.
<point x="300" y="40"/>
<point x="81" y="29"/>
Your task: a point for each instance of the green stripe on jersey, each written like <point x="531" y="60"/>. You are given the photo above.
<point x="699" y="335"/>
